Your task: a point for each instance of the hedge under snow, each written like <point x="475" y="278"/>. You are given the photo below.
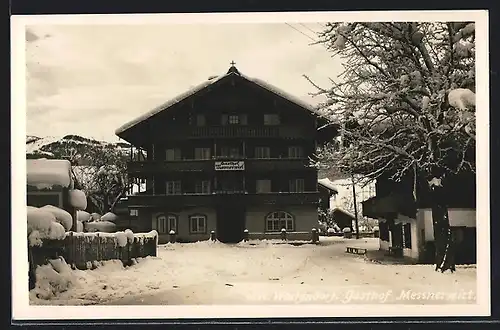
<point x="62" y="216"/>
<point x="46" y="173"/>
<point x="109" y="217"/>
<point x="121" y="237"/>
<point x="43" y="224"/>
<point x="100" y="226"/>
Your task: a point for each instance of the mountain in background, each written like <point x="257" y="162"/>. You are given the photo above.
<point x="69" y="146"/>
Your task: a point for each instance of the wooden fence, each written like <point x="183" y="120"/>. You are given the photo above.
<point x="80" y="249"/>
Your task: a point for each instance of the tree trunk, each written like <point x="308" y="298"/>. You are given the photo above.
<point x="445" y="249"/>
<point x="112" y="207"/>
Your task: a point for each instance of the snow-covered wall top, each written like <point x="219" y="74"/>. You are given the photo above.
<point x="46" y="173"/>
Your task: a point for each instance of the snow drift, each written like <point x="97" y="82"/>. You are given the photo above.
<point x="52" y="279"/>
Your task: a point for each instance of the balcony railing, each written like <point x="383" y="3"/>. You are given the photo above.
<point x="238" y="132"/>
<point x="251" y="165"/>
<point x="287" y="198"/>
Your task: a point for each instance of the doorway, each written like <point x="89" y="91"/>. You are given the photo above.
<point x="230" y="222"/>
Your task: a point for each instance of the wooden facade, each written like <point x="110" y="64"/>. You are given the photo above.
<point x="229" y="155"/>
<point x="406" y="223"/>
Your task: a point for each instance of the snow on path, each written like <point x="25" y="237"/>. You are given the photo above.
<point x="215" y="273"/>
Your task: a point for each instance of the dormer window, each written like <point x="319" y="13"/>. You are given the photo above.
<point x="271" y="119"/>
<point x="200" y="120"/>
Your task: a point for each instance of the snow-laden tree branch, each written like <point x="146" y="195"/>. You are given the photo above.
<point x="405" y="100"/>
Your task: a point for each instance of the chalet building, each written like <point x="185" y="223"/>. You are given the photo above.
<point x="343" y="218"/>
<point x="405" y="222"/>
<point x="228" y="155"/>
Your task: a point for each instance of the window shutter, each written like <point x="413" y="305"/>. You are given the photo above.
<point x="224" y="119"/>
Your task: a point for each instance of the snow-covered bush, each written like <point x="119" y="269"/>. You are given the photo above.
<point x="346" y="230"/>
<point x="330" y="230"/>
<point x="95" y="217"/>
<point x="42" y="224"/>
<point x="83" y="216"/>
<point x="100" y="226"/>
<point x="62" y="216"/>
<point x="77" y="199"/>
<point x="52" y="279"/>
<point x="111" y="217"/>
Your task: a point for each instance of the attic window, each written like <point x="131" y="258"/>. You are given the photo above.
<point x="234" y="120"/>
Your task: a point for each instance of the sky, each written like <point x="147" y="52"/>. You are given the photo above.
<point x="90" y="79"/>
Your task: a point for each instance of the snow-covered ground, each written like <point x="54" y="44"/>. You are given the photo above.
<point x="265" y="273"/>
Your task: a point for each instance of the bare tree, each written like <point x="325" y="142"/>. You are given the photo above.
<point x="104" y="178"/>
<point x="407" y="104"/>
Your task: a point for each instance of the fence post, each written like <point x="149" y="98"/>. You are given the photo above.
<point x="98" y="245"/>
<point x="172" y="236"/>
<point x="245" y="235"/>
<point x="314" y="234"/>
<point x="32" y="270"/>
<point x="283" y="234"/>
<point x="71" y="246"/>
<point x="212" y="235"/>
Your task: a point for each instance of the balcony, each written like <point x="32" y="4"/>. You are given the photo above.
<point x="180" y="133"/>
<point x="191" y="200"/>
<point x="159" y="166"/>
<point x="250" y="165"/>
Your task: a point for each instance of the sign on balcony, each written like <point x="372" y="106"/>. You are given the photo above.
<point x="230" y="165"/>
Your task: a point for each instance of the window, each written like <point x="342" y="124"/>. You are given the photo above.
<point x="173" y="188"/>
<point x="295" y="152"/>
<point x="262" y="152"/>
<point x="166" y="223"/>
<point x="173" y="154"/>
<point x="230" y="152"/>
<point x="202" y="187"/>
<point x="234" y="119"/>
<point x="277" y="220"/>
<point x="271" y="119"/>
<point x="200" y="120"/>
<point x="134" y="212"/>
<point x="234" y="152"/>
<point x="201" y="153"/>
<point x="263" y="186"/>
<point x="296" y="185"/>
<point x="407" y="235"/>
<point x="198" y="224"/>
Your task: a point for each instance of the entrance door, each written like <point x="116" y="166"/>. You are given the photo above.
<point x="230" y="222"/>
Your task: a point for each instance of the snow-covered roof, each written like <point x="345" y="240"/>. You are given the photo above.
<point x="45" y="173"/>
<point x="207" y="83"/>
<point x="325" y="182"/>
<point x="338" y="209"/>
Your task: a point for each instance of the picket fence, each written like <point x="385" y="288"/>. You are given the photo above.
<point x="83" y="250"/>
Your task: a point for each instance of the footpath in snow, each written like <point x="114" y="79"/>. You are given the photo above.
<point x="263" y="273"/>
